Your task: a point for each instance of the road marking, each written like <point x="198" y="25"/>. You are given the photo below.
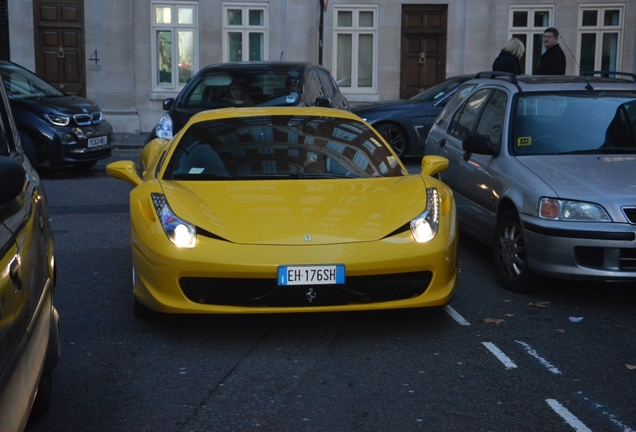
<point x="566" y="415"/>
<point x="500" y="355"/>
<point x="454" y="315"/>
<point x="602" y="411"/>
<point x="543" y="361"/>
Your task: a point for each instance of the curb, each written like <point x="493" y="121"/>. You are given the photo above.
<point x="129" y="141"/>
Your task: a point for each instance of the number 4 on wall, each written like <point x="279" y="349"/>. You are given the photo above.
<point x="94" y="57"/>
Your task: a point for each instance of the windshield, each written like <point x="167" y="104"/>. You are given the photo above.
<point x="22" y="84"/>
<point x="280" y="147"/>
<point x="595" y="123"/>
<point x="254" y="86"/>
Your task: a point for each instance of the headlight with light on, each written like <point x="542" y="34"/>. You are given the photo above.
<point x="180" y="232"/>
<point x="58" y="120"/>
<point x="164" y="127"/>
<point x="572" y="211"/>
<point x="424" y="227"/>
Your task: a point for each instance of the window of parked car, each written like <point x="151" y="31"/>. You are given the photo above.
<point x="245" y="32"/>
<point x="174" y="43"/>
<point x="355" y="47"/>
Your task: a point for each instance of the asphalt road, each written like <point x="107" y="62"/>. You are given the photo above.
<point x="562" y="359"/>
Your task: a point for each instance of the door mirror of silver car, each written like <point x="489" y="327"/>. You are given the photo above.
<point x="480" y="144"/>
<point x="12" y="179"/>
<point x="323" y="102"/>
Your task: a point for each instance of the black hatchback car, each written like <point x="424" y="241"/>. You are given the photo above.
<point x="55" y="127"/>
<point x="249" y="84"/>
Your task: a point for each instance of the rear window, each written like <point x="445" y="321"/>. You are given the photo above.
<point x="264" y="86"/>
<point x="571" y="123"/>
<point x="280" y="147"/>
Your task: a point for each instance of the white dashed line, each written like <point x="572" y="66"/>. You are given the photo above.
<point x="500" y="355"/>
<point x="454" y="315"/>
<point x="566" y="415"/>
<point x="543" y="361"/>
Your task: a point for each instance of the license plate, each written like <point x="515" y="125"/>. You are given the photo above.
<point x="97" y="141"/>
<point x="311" y="275"/>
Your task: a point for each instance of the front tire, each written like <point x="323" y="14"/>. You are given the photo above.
<point x="509" y="255"/>
<point x="395" y="135"/>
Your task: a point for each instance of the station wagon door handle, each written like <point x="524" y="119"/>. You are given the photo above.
<point x="442" y="142"/>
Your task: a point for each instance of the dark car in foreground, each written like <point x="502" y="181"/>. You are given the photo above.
<point x="29" y="322"/>
<point x="543" y="169"/>
<point x="405" y="123"/>
<point x="263" y="84"/>
<point x="55" y="128"/>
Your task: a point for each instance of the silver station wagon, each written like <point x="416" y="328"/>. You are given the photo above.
<point x="544" y="170"/>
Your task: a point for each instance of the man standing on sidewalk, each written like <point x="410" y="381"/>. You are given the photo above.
<point x="553" y="59"/>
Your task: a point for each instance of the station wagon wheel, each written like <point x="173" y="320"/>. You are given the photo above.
<point x="395" y="135"/>
<point x="509" y="255"/>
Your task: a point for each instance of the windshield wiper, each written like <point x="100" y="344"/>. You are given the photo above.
<point x="603" y="150"/>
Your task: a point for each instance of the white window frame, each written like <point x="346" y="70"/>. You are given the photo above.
<point x="245" y="28"/>
<point x="599" y="31"/>
<point x="355" y="31"/>
<point x="530" y="30"/>
<point x="173" y="27"/>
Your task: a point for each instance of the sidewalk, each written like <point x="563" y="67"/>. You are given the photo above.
<point x="129" y="141"/>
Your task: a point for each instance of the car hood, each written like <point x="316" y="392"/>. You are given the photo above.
<point x="284" y="212"/>
<point x="60" y="104"/>
<point x="597" y="178"/>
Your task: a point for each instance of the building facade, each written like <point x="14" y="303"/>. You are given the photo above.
<point x="129" y="55"/>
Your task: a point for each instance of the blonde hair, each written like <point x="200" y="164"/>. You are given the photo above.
<point x="515" y="47"/>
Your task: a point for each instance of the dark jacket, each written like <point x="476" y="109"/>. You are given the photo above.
<point x="506" y="62"/>
<point x="552" y="62"/>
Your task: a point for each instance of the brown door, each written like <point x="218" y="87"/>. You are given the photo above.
<point x="423" y="56"/>
<point x="59" y="44"/>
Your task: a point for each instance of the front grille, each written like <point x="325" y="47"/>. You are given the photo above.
<point x="88" y="119"/>
<point x="606" y="258"/>
<point x="630" y="214"/>
<point x="266" y="292"/>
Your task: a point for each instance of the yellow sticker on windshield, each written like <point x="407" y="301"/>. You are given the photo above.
<point x="524" y="141"/>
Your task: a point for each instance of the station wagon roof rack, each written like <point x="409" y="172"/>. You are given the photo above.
<point x="496" y="74"/>
<point x="610" y="74"/>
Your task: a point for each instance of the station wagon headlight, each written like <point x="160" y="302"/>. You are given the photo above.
<point x="58" y="120"/>
<point x="180" y="232"/>
<point x="424" y="227"/>
<point x="164" y="127"/>
<point x="572" y="211"/>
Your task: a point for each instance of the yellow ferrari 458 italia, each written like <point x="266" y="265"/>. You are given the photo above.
<point x="273" y="210"/>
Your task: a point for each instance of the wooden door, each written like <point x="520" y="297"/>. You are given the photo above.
<point x="423" y="53"/>
<point x="59" y="44"/>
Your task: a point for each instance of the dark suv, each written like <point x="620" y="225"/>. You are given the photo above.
<point x="29" y="323"/>
<point x="55" y="127"/>
<point x="542" y="168"/>
<point x="263" y="84"/>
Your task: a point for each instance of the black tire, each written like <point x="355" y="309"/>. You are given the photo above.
<point x="395" y="135"/>
<point x="28" y="147"/>
<point x="43" y="398"/>
<point x="510" y="257"/>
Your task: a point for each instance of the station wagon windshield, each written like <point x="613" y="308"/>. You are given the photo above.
<point x="598" y="123"/>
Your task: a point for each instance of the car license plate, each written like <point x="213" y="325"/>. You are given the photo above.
<point x="311" y="275"/>
<point x="97" y="141"/>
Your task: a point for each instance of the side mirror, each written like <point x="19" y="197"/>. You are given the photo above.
<point x="124" y="170"/>
<point x="323" y="102"/>
<point x="479" y="144"/>
<point x="167" y="104"/>
<point x="12" y="179"/>
<point x="432" y="165"/>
